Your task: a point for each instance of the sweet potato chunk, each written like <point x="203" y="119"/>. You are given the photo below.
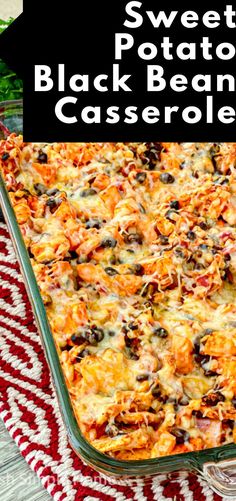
<point x="220" y="344"/>
<point x="164" y="445"/>
<point x="134" y="440"/>
<point x="182" y="350"/>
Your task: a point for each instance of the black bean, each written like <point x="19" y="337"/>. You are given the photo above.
<point x="125" y="328"/>
<point x="89" y="192"/>
<point x="40" y="188"/>
<point x="209" y="373"/>
<point x="182" y="165"/>
<point x="128" y="340"/>
<point x="191" y="235"/>
<point x="42" y="158"/>
<point x="90" y="337"/>
<point x="150" y="290"/>
<point x="156" y="392"/>
<point x="133" y="356"/>
<point x="180" y="434"/>
<point x="73" y="254"/>
<point x="203" y="225"/>
<point x="199" y="266"/>
<point x="160" y="332"/>
<point x="227" y="257"/>
<point x="111" y="333"/>
<point x="155" y="146"/>
<point x="67" y="347"/>
<point x="111" y="271"/>
<point x="113" y="259"/>
<point x="151" y="410"/>
<point x="150" y="158"/>
<point x="109" y="242"/>
<point x="228" y="276"/>
<point x="84" y="353"/>
<point x="174" y="204"/>
<point x="47" y="261"/>
<point x="163" y="239"/>
<point x="214" y="149"/>
<point x="91" y="180"/>
<point x="197" y="414"/>
<point x="133" y="237"/>
<point x="224" y="275"/>
<point x="52" y="192"/>
<point x="144" y="160"/>
<point x="77" y="339"/>
<point x="133" y="148"/>
<point x="163" y="398"/>
<point x="217" y="180"/>
<point x="167" y="178"/>
<point x="5" y="156"/>
<point x="52" y="203"/>
<point x="229" y="423"/>
<point x="179" y="252"/>
<point x="184" y="400"/>
<point x="153" y="155"/>
<point x="132" y="326"/>
<point x="201" y="359"/>
<point x="196" y="345"/>
<point x="136" y="269"/>
<point x="93" y="223"/>
<point x="151" y="163"/>
<point x="111" y="430"/>
<point x="170" y="214"/>
<point x="233" y="401"/>
<point x="142" y="377"/>
<point x="94" y="335"/>
<point x="98" y="333"/>
<point x="203" y="247"/>
<point x="212" y="399"/>
<point x="141" y="177"/>
<point x="224" y="182"/>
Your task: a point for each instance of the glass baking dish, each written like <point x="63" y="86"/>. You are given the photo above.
<point x="216" y="465"/>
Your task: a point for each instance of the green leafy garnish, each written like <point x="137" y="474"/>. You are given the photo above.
<point x="11" y="87"/>
<point x="5" y="24"/>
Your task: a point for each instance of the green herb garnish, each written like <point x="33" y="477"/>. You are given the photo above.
<point x="11" y="86"/>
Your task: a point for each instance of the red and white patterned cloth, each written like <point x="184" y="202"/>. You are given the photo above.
<point x="29" y="409"/>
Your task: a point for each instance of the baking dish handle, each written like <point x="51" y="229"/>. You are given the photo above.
<point x="222" y="477"/>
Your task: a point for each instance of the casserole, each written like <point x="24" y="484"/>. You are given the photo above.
<point x="200" y="460"/>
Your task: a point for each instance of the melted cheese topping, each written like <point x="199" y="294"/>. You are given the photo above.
<point x="134" y="251"/>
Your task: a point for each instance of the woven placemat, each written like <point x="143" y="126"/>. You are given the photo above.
<point x="29" y="409"/>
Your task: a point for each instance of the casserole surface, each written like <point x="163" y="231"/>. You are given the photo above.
<point x="133" y="247"/>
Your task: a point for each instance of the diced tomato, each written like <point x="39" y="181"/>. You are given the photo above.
<point x="204" y="281"/>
